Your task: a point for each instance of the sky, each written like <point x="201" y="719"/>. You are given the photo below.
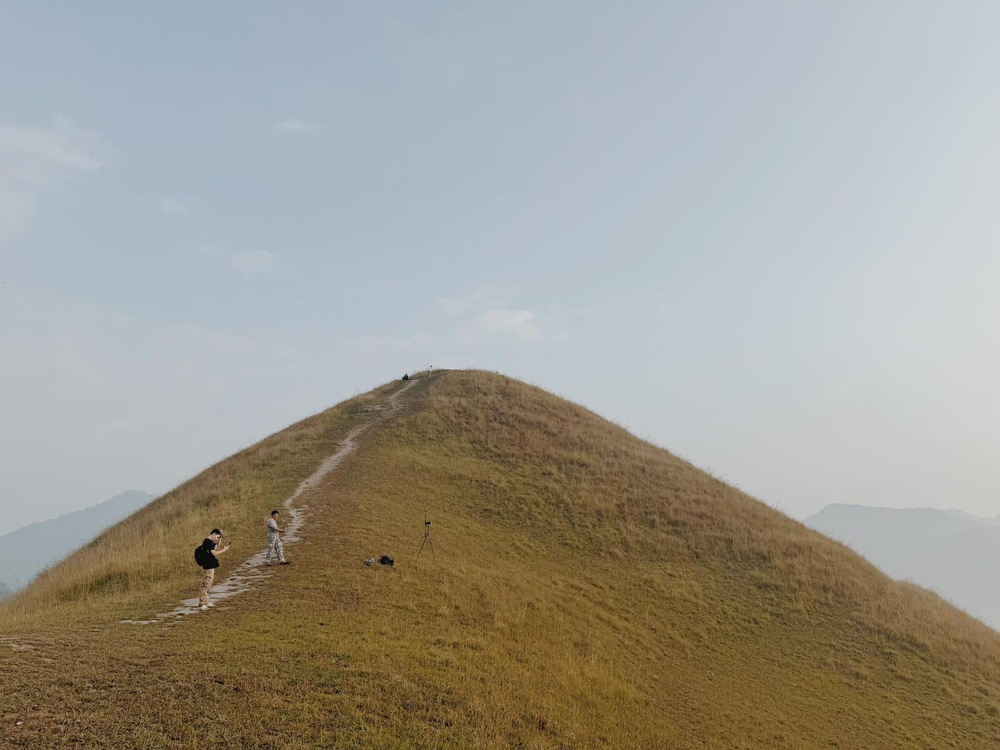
<point x="761" y="235"/>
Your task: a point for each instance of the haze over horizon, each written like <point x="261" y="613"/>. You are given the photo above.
<point x="762" y="237"/>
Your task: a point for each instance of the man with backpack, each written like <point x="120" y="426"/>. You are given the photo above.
<point x="207" y="556"/>
<point x="274" y="545"/>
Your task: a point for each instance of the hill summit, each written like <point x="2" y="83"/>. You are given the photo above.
<point x="585" y="589"/>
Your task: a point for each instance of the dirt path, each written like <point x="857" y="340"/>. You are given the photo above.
<point x="252" y="571"/>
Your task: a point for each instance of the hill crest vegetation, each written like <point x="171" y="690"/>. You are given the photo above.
<point x="587" y="589"/>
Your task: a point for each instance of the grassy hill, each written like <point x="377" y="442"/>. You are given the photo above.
<point x="954" y="554"/>
<point x="587" y="590"/>
<point x="27" y="550"/>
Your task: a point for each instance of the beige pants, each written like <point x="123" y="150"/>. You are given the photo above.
<point x="206" y="585"/>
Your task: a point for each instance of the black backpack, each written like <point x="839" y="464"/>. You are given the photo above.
<point x="201" y="555"/>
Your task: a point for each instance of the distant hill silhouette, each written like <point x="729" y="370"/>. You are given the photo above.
<point x="951" y="552"/>
<point x="26" y="551"/>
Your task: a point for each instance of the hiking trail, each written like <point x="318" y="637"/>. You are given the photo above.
<point x="252" y="571"/>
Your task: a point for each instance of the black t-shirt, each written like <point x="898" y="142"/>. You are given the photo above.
<point x="211" y="561"/>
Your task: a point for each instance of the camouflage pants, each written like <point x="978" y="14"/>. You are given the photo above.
<point x="274" y="547"/>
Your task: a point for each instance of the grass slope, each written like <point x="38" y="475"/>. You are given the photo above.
<point x="587" y="590"/>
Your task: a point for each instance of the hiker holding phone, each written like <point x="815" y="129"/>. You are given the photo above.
<point x="207" y="555"/>
<point x="274" y="545"/>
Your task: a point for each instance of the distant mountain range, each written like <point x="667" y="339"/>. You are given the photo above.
<point x="951" y="552"/>
<point x="26" y="551"/>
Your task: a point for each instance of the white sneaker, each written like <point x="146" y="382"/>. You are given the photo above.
<point x="211" y="604"/>
<point x="203" y="608"/>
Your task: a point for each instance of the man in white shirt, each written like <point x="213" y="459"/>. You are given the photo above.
<point x="274" y="541"/>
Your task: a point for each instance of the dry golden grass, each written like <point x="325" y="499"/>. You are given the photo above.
<point x="147" y="558"/>
<point x="589" y="590"/>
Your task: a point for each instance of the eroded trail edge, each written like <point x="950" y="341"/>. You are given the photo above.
<point x="252" y="571"/>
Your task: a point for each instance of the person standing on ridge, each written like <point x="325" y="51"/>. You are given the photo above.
<point x="209" y="560"/>
<point x="274" y="545"/>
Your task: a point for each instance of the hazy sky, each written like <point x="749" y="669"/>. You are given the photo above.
<point x="763" y="235"/>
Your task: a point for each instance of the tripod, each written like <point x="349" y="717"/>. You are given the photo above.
<point x="427" y="538"/>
